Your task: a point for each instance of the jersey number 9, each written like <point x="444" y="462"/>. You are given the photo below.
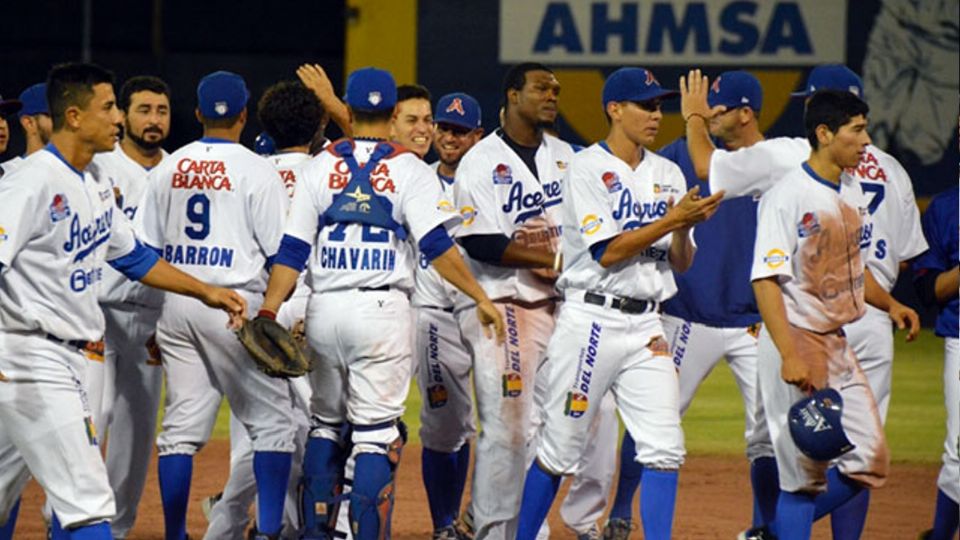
<point x="198" y="212"/>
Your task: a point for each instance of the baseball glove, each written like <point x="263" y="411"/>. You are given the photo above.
<point x="273" y="349"/>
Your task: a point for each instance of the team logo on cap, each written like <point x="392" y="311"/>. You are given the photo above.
<point x="221" y="107"/>
<point x="775" y="258"/>
<point x="374" y="98"/>
<point x="437" y="396"/>
<point x="590" y="224"/>
<point x="651" y="79"/>
<point x="456" y="105"/>
<point x="854" y="90"/>
<point x="576" y="404"/>
<point x="612" y="181"/>
<point x="59" y="208"/>
<point x="715" y="87"/>
<point x="512" y="385"/>
<point x="468" y="213"/>
<point x="809" y="225"/>
<point x="502" y="174"/>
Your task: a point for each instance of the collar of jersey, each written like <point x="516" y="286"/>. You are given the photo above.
<point x="370" y="139"/>
<point x="53" y="150"/>
<point x="448" y="179"/>
<point x="817" y="178"/>
<point x="215" y="140"/>
<point x="643" y="153"/>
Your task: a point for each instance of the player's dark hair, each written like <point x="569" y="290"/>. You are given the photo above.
<point x="140" y="83"/>
<point x="289" y="113"/>
<point x="371" y="117"/>
<point x="516" y="77"/>
<point x="412" y="91"/>
<point x="832" y="108"/>
<point x="70" y="85"/>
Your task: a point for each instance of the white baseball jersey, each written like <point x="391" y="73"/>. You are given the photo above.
<point x="498" y="194"/>
<point x="129" y="181"/>
<point x="212" y="208"/>
<point x="808" y="236"/>
<point x="346" y="256"/>
<point x="606" y="198"/>
<point x="10" y="165"/>
<point x="430" y="289"/>
<point x="892" y="233"/>
<point x="57" y="227"/>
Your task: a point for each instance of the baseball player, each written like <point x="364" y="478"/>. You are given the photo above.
<point x="361" y="272"/>
<point x="60" y="224"/>
<point x="891" y="235"/>
<point x="413" y="120"/>
<point x="8" y="107"/>
<point x="34" y="118"/>
<point x="124" y="388"/>
<point x="714" y="315"/>
<point x="217" y="208"/>
<point x="809" y="281"/>
<point x="290" y="115"/>
<point x="622" y="234"/>
<point x="937" y="276"/>
<point x="508" y="188"/>
<point x="443" y="364"/>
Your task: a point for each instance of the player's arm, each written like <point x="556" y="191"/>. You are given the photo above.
<point x="769" y="297"/>
<point x="947" y="285"/>
<point x="500" y="250"/>
<point x="451" y="267"/>
<point x="315" y="78"/>
<point x="691" y="209"/>
<point x="697" y="113"/>
<point x="163" y="275"/>
<point x="878" y="297"/>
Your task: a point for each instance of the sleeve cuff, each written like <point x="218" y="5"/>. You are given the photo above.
<point x="137" y="263"/>
<point x="293" y="252"/>
<point x="435" y="243"/>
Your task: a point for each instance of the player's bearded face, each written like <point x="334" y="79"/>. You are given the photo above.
<point x="44" y="127"/>
<point x="147" y="120"/>
<point x="100" y="120"/>
<point x="538" y="99"/>
<point x="452" y="142"/>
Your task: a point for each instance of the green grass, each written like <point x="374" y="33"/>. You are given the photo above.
<point x="714" y="422"/>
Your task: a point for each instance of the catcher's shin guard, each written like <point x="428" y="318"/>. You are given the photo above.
<point x="322" y="484"/>
<point x="371" y="500"/>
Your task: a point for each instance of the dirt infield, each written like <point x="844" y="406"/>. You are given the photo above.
<point x="714" y="501"/>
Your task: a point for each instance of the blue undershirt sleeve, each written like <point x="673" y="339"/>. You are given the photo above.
<point x="435" y="243"/>
<point x="293" y="252"/>
<point x="597" y="250"/>
<point x="488" y="248"/>
<point x="137" y="263"/>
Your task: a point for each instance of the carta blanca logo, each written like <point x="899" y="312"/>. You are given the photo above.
<point x="673" y="32"/>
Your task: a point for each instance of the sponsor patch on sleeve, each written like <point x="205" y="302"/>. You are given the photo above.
<point x="59" y="208"/>
<point x="612" y="181"/>
<point x="775" y="258"/>
<point x="809" y="225"/>
<point x="502" y="174"/>
<point x="468" y="213"/>
<point x="590" y="224"/>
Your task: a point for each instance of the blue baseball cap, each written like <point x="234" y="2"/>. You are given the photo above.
<point x="222" y="94"/>
<point x="34" y="100"/>
<point x="371" y="90"/>
<point x="832" y="77"/>
<point x="458" y="109"/>
<point x="633" y="84"/>
<point x="734" y="89"/>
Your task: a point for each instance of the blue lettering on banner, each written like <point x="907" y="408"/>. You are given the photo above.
<point x="216" y="256"/>
<point x="355" y="258"/>
<point x="85" y="238"/>
<point x="672" y="32"/>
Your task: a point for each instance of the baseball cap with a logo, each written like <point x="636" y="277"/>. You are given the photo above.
<point x="371" y="90"/>
<point x="222" y="94"/>
<point x="9" y="106"/>
<point x="458" y="109"/>
<point x="832" y="77"/>
<point x="34" y="100"/>
<point x="735" y="89"/>
<point x="633" y="84"/>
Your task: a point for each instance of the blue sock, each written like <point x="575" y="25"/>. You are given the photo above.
<point x="463" y="467"/>
<point x="848" y="519"/>
<point x="57" y="532"/>
<point x="766" y="488"/>
<point x="628" y="480"/>
<point x="946" y="518"/>
<point x="6" y="532"/>
<point x="658" y="497"/>
<point x="439" y="470"/>
<point x="840" y="489"/>
<point x="323" y="463"/>
<point x="794" y="516"/>
<point x="175" y="472"/>
<point x="539" y="490"/>
<point x="272" y="471"/>
<point x="97" y="531"/>
<point x="372" y="473"/>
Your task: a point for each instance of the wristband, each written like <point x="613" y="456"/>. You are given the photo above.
<point x="272" y="315"/>
<point x="691" y="115"/>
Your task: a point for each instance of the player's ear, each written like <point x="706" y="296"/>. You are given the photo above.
<point x="824" y="135"/>
<point x="196" y="113"/>
<point x="613" y="109"/>
<point x="71" y="117"/>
